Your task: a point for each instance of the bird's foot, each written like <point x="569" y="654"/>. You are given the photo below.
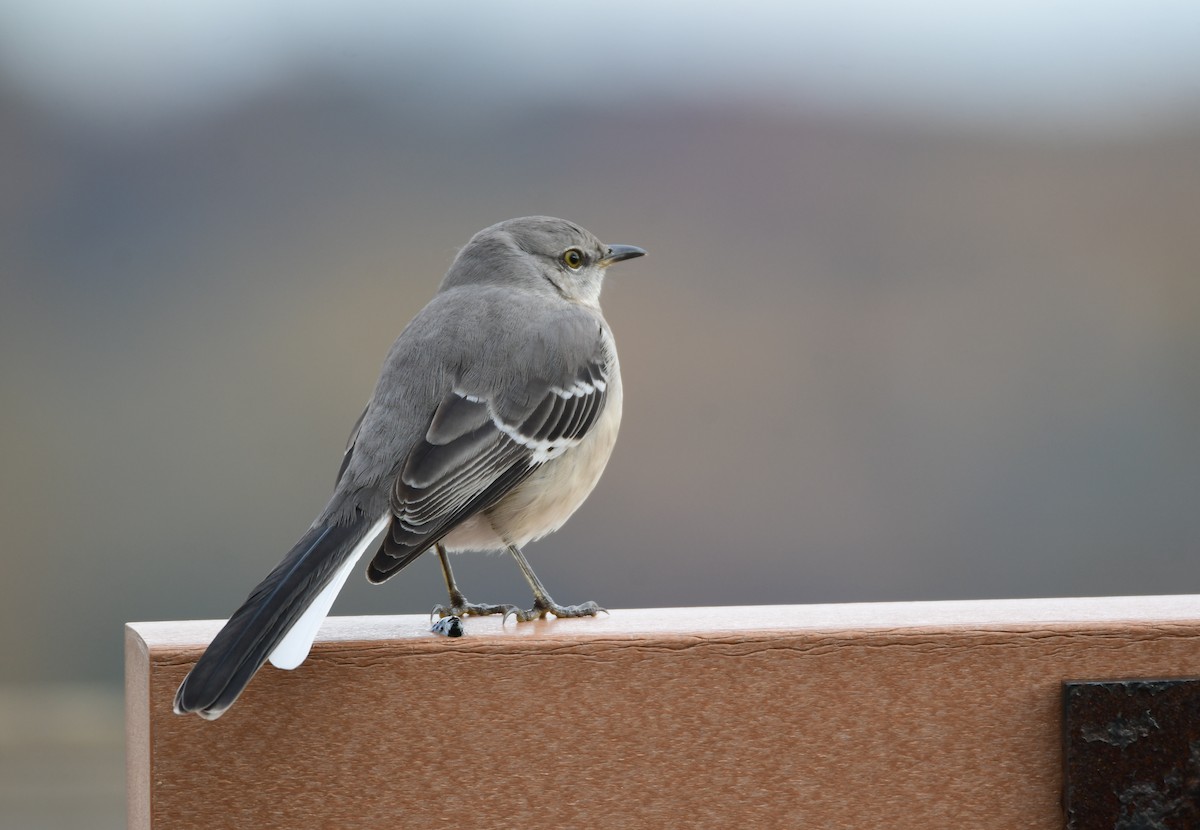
<point x="460" y="607"/>
<point x="545" y="605"/>
<point x="449" y="617"/>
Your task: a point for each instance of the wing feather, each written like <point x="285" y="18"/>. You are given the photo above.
<point x="471" y="457"/>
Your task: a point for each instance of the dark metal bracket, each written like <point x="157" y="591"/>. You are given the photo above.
<point x="1131" y="755"/>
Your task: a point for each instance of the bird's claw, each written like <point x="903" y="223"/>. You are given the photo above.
<point x="548" y="606"/>
<point x="461" y="608"/>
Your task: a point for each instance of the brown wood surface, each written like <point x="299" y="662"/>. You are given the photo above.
<point x="886" y="715"/>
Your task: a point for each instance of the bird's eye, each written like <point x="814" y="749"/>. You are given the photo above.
<point x="573" y="257"/>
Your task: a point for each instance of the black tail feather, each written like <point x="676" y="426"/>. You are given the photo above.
<point x="255" y="629"/>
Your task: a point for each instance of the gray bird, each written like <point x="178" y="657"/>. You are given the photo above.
<point x="493" y="418"/>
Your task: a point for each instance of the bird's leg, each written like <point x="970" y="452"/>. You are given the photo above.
<point x="543" y="603"/>
<point x="459" y="605"/>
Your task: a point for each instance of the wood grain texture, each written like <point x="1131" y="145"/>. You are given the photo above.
<point x="897" y="715"/>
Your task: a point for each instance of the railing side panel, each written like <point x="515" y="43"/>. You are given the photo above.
<point x="922" y="715"/>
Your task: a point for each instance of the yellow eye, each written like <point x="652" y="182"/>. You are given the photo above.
<point x="573" y="258"/>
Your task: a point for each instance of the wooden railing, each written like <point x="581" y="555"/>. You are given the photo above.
<point x="889" y="715"/>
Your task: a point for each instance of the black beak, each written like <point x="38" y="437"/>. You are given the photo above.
<point x="616" y="253"/>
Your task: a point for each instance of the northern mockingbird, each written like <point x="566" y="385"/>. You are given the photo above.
<point x="493" y="417"/>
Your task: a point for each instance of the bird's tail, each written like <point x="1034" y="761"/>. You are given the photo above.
<point x="255" y="630"/>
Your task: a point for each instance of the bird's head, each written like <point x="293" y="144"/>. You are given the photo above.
<point x="539" y="253"/>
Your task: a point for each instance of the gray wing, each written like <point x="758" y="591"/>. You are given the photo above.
<point x="472" y="455"/>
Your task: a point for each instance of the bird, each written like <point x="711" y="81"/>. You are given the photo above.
<point x="494" y="415"/>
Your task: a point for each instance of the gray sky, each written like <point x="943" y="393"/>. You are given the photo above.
<point x="1017" y="63"/>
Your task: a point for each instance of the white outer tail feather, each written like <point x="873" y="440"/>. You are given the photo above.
<point x="296" y="644"/>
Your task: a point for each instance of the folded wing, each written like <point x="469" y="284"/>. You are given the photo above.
<point x="472" y="455"/>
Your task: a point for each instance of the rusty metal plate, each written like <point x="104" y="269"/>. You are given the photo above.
<point x="1131" y="755"/>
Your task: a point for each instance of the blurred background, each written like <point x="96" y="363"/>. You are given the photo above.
<point x="920" y="320"/>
